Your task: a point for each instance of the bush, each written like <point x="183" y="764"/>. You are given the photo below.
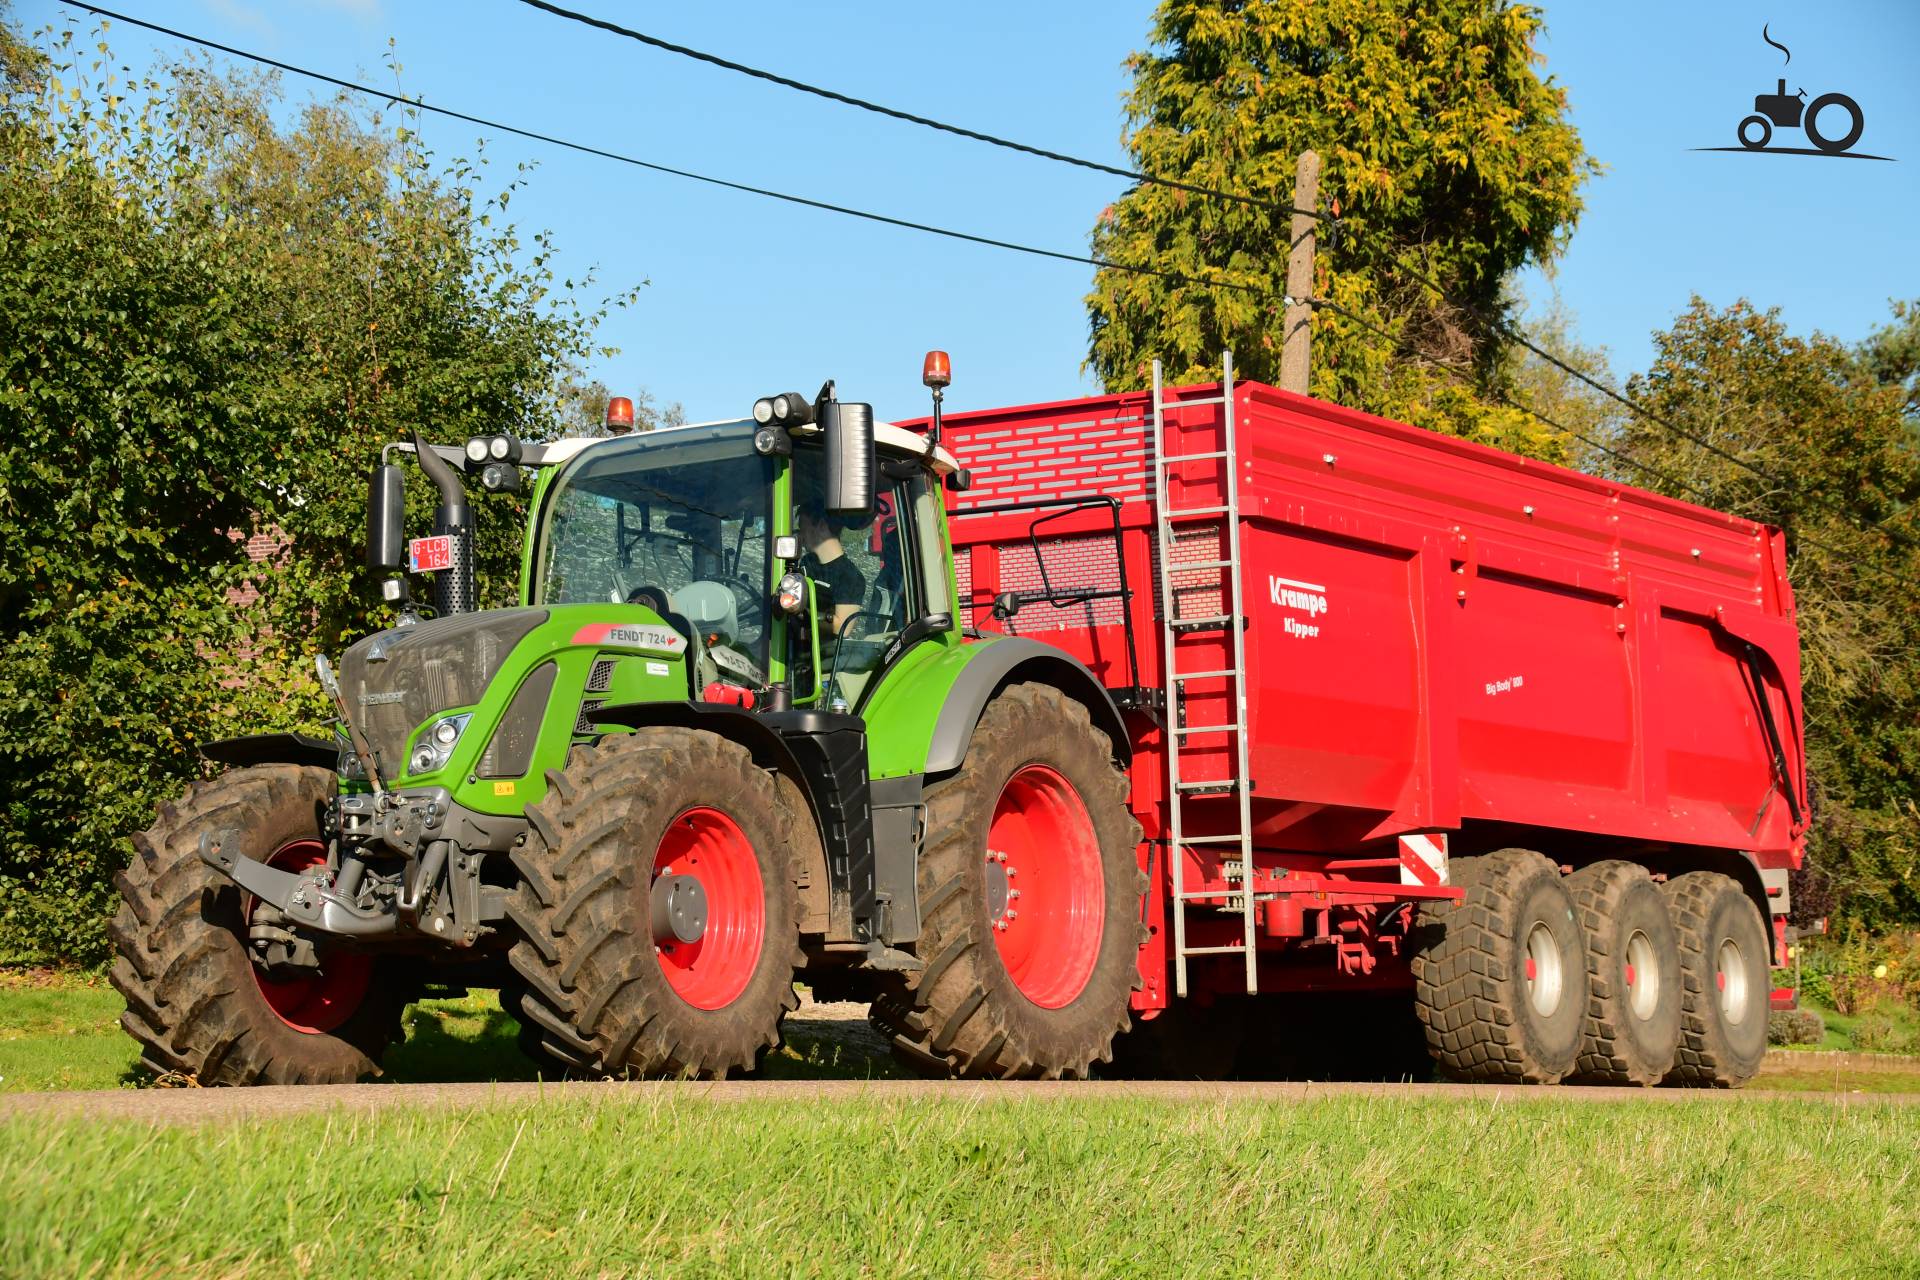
<point x="211" y="324"/>
<point x="1858" y="970"/>
<point x="1795" y="1026"/>
<point x="1882" y="1029"/>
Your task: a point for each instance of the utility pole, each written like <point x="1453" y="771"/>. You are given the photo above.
<point x="1296" y="352"/>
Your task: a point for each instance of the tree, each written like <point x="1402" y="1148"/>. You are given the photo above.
<point x="21" y="65"/>
<point x="1830" y="457"/>
<point x="1443" y="152"/>
<point x="1892" y="356"/>
<point x="208" y="327"/>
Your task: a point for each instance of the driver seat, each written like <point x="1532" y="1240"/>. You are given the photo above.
<point x="710" y="607"/>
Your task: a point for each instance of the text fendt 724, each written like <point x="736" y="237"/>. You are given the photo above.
<point x="1185" y="731"/>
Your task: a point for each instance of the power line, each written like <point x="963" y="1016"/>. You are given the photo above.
<point x="1671" y="479"/>
<point x="1507" y="399"/>
<point x="895" y="113"/>
<point x="769" y="193"/>
<point x="1497" y="324"/>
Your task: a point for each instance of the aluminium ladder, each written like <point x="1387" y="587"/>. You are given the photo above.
<point x="1174" y="628"/>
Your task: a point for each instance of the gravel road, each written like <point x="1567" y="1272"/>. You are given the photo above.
<point x="199" y="1106"/>
<point x="847" y="1025"/>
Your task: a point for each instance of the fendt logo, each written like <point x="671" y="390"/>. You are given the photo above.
<point x="1309" y="598"/>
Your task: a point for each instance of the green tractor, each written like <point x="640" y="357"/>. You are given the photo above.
<point x="731" y="737"/>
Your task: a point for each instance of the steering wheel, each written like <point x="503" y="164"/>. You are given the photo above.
<point x="752" y="601"/>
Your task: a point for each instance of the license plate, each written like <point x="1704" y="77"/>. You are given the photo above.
<point x="427" y="554"/>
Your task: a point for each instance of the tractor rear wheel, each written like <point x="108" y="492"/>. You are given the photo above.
<point x="1500" y="976"/>
<point x="1724" y="981"/>
<point x="197" y="1002"/>
<point x="1633" y="975"/>
<point x="657" y="909"/>
<point x="1030" y="890"/>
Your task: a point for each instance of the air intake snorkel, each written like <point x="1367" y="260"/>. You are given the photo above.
<point x="453" y="587"/>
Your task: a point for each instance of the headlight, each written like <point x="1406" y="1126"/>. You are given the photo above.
<point x="791" y="595"/>
<point x="437" y="742"/>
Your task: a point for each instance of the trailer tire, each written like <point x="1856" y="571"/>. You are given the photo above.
<point x="1724" y="981"/>
<point x="1500" y="976"/>
<point x="196" y="1002"/>
<point x="1633" y="976"/>
<point x="606" y="998"/>
<point x="1044" y="1003"/>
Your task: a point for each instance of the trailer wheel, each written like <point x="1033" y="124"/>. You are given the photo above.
<point x="1724" y="981"/>
<point x="197" y="1003"/>
<point x="1030" y="892"/>
<point x="657" y="909"/>
<point x="1633" y="975"/>
<point x="1500" y="976"/>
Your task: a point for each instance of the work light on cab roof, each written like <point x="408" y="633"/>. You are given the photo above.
<point x="494" y="448"/>
<point x="498" y="459"/>
<point x="788" y="409"/>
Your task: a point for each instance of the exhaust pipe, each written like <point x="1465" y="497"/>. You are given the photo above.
<point x="453" y="588"/>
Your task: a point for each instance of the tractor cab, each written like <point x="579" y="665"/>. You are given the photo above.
<point x="788" y="581"/>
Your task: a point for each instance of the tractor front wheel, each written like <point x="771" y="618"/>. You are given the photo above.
<point x="1029" y="901"/>
<point x="197" y="1001"/>
<point x="657" y="910"/>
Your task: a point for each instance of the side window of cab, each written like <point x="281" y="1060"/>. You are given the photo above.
<point x="866" y="581"/>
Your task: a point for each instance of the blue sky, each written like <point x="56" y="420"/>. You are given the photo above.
<point x="748" y="297"/>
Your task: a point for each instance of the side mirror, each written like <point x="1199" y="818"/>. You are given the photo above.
<point x="848" y="428"/>
<point x="386" y="518"/>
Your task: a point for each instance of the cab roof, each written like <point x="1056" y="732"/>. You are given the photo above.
<point x="886" y="436"/>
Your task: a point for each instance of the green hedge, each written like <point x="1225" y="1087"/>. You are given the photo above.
<point x="209" y="327"/>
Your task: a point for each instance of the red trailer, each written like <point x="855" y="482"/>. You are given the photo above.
<point x="1416" y="715"/>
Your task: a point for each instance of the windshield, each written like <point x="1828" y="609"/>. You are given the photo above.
<point x="676" y="521"/>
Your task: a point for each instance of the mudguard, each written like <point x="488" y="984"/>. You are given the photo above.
<point x="274" y="748"/>
<point x="1010" y="659"/>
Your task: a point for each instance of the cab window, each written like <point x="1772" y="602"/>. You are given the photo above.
<point x="867" y="582"/>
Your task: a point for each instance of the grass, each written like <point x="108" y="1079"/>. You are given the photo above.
<point x="62" y="1032"/>
<point x="933" y="1187"/>
<point x="1339" y="1186"/>
<point x="1843" y="1029"/>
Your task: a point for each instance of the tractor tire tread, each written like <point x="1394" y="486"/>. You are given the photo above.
<point x="180" y="965"/>
<point x="955" y="1016"/>
<point x="1608" y="1053"/>
<point x="587" y="993"/>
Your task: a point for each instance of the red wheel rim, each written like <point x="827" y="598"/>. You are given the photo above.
<point x="1046" y="892"/>
<point x="713" y="971"/>
<point x="321" y="1003"/>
